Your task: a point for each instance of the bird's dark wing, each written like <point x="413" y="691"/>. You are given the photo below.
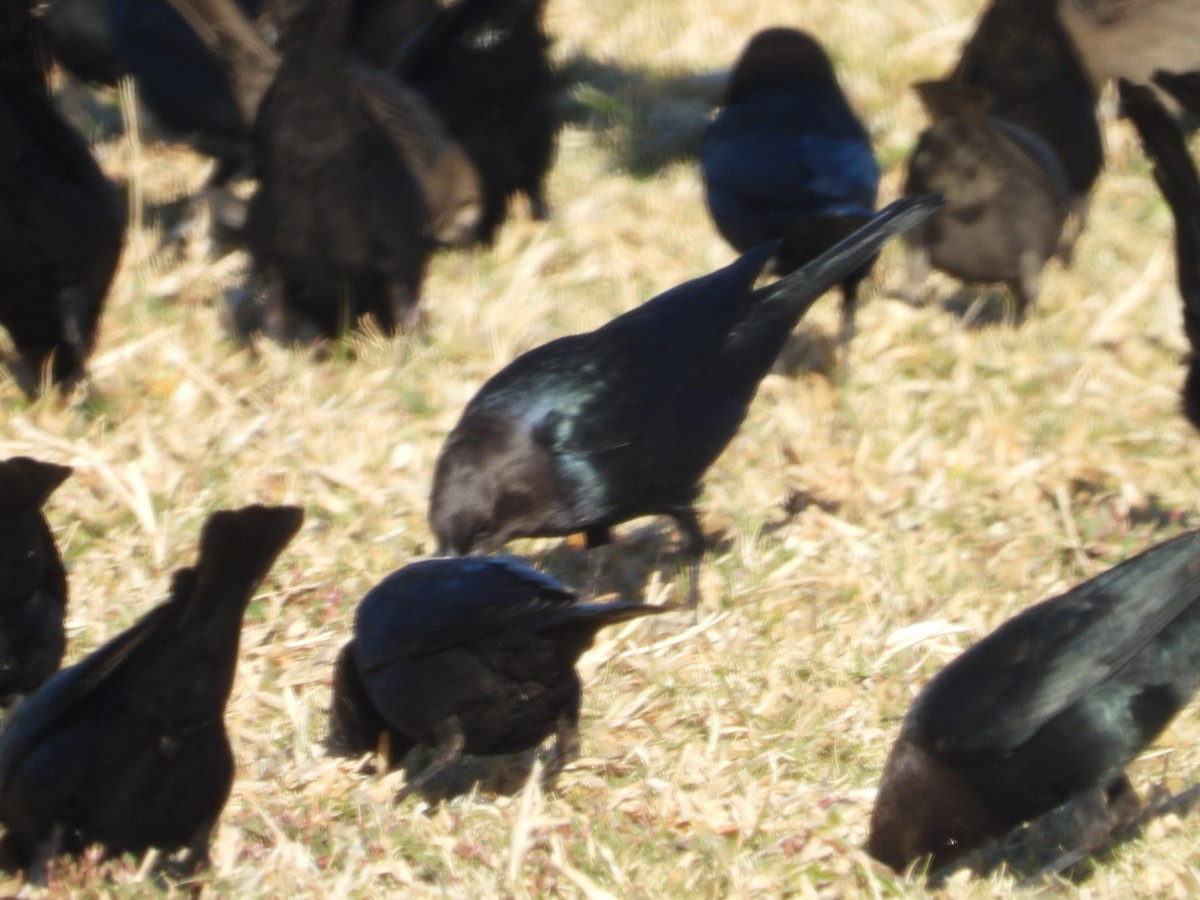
<point x="1034" y="157"/>
<point x="431" y="606"/>
<point x="598" y="391"/>
<point x="227" y="31"/>
<point x="412" y="127"/>
<point x="74" y="688"/>
<point x="1000" y="691"/>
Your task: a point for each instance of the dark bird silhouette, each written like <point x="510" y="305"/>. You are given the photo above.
<point x="484" y="67"/>
<point x="128" y="748"/>
<point x="787" y="159"/>
<point x="594" y="429"/>
<point x="1021" y="55"/>
<point x="1176" y="175"/>
<point x="33" y="582"/>
<point x="470" y="656"/>
<point x="1051" y="706"/>
<point x="61" y="224"/>
<point x="358" y="183"/>
<point x="1183" y="87"/>
<point x="1132" y="39"/>
<point x="1005" y="195"/>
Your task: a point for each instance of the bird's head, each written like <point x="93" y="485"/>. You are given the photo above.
<point x="493" y="482"/>
<point x="925" y="808"/>
<point x="777" y="56"/>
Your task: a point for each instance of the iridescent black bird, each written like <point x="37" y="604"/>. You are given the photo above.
<point x="61" y="222"/>
<point x="1176" y="175"/>
<point x="470" y="656"/>
<point x="128" y="747"/>
<point x="787" y="159"/>
<point x="33" y="582"/>
<point x="594" y="429"/>
<point x="1049" y="707"/>
<point x="1006" y="195"/>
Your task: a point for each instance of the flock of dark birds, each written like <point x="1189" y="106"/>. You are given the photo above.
<point x="381" y="131"/>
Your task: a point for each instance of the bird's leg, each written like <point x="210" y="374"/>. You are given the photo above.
<point x="1026" y="286"/>
<point x="275" y="312"/>
<point x="916" y="270"/>
<point x="45" y="852"/>
<point x="196" y="859"/>
<point x="594" y="537"/>
<point x="849" y="308"/>
<point x="404" y="305"/>
<point x="1076" y="222"/>
<point x="693" y="550"/>
<point x="566" y="742"/>
<point x="450" y="743"/>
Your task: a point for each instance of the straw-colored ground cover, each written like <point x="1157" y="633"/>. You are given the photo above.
<point x="864" y="531"/>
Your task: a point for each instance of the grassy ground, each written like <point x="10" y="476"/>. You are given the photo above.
<point x="865" y="532"/>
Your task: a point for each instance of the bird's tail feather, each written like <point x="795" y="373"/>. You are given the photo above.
<point x="602" y="614"/>
<point x="802" y="287"/>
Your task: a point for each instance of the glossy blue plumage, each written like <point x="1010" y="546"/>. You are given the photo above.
<point x="782" y="152"/>
<point x="788" y="160"/>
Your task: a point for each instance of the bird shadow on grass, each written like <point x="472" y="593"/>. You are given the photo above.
<point x="647" y="119"/>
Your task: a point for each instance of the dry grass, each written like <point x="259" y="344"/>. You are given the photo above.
<point x="866" y="531"/>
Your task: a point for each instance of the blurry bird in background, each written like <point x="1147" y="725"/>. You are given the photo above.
<point x="1020" y="54"/>
<point x="469" y="656"/>
<point x="358" y="184"/>
<point x="33" y="582"/>
<point x="484" y="67"/>
<point x="1006" y="196"/>
<point x="62" y="224"/>
<point x="1049" y="707"/>
<point x="128" y="747"/>
<point x="591" y="430"/>
<point x="787" y="159"/>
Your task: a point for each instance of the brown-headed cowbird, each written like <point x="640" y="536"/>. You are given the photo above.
<point x="1176" y="175"/>
<point x="787" y="159"/>
<point x="1049" y="707"/>
<point x="61" y="223"/>
<point x="33" y="582"/>
<point x="594" y="429"/>
<point x="1020" y="54"/>
<point x="471" y="656"/>
<point x="1005" y="195"/>
<point x="358" y="183"/>
<point x="484" y="67"/>
<point x="128" y="748"/>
